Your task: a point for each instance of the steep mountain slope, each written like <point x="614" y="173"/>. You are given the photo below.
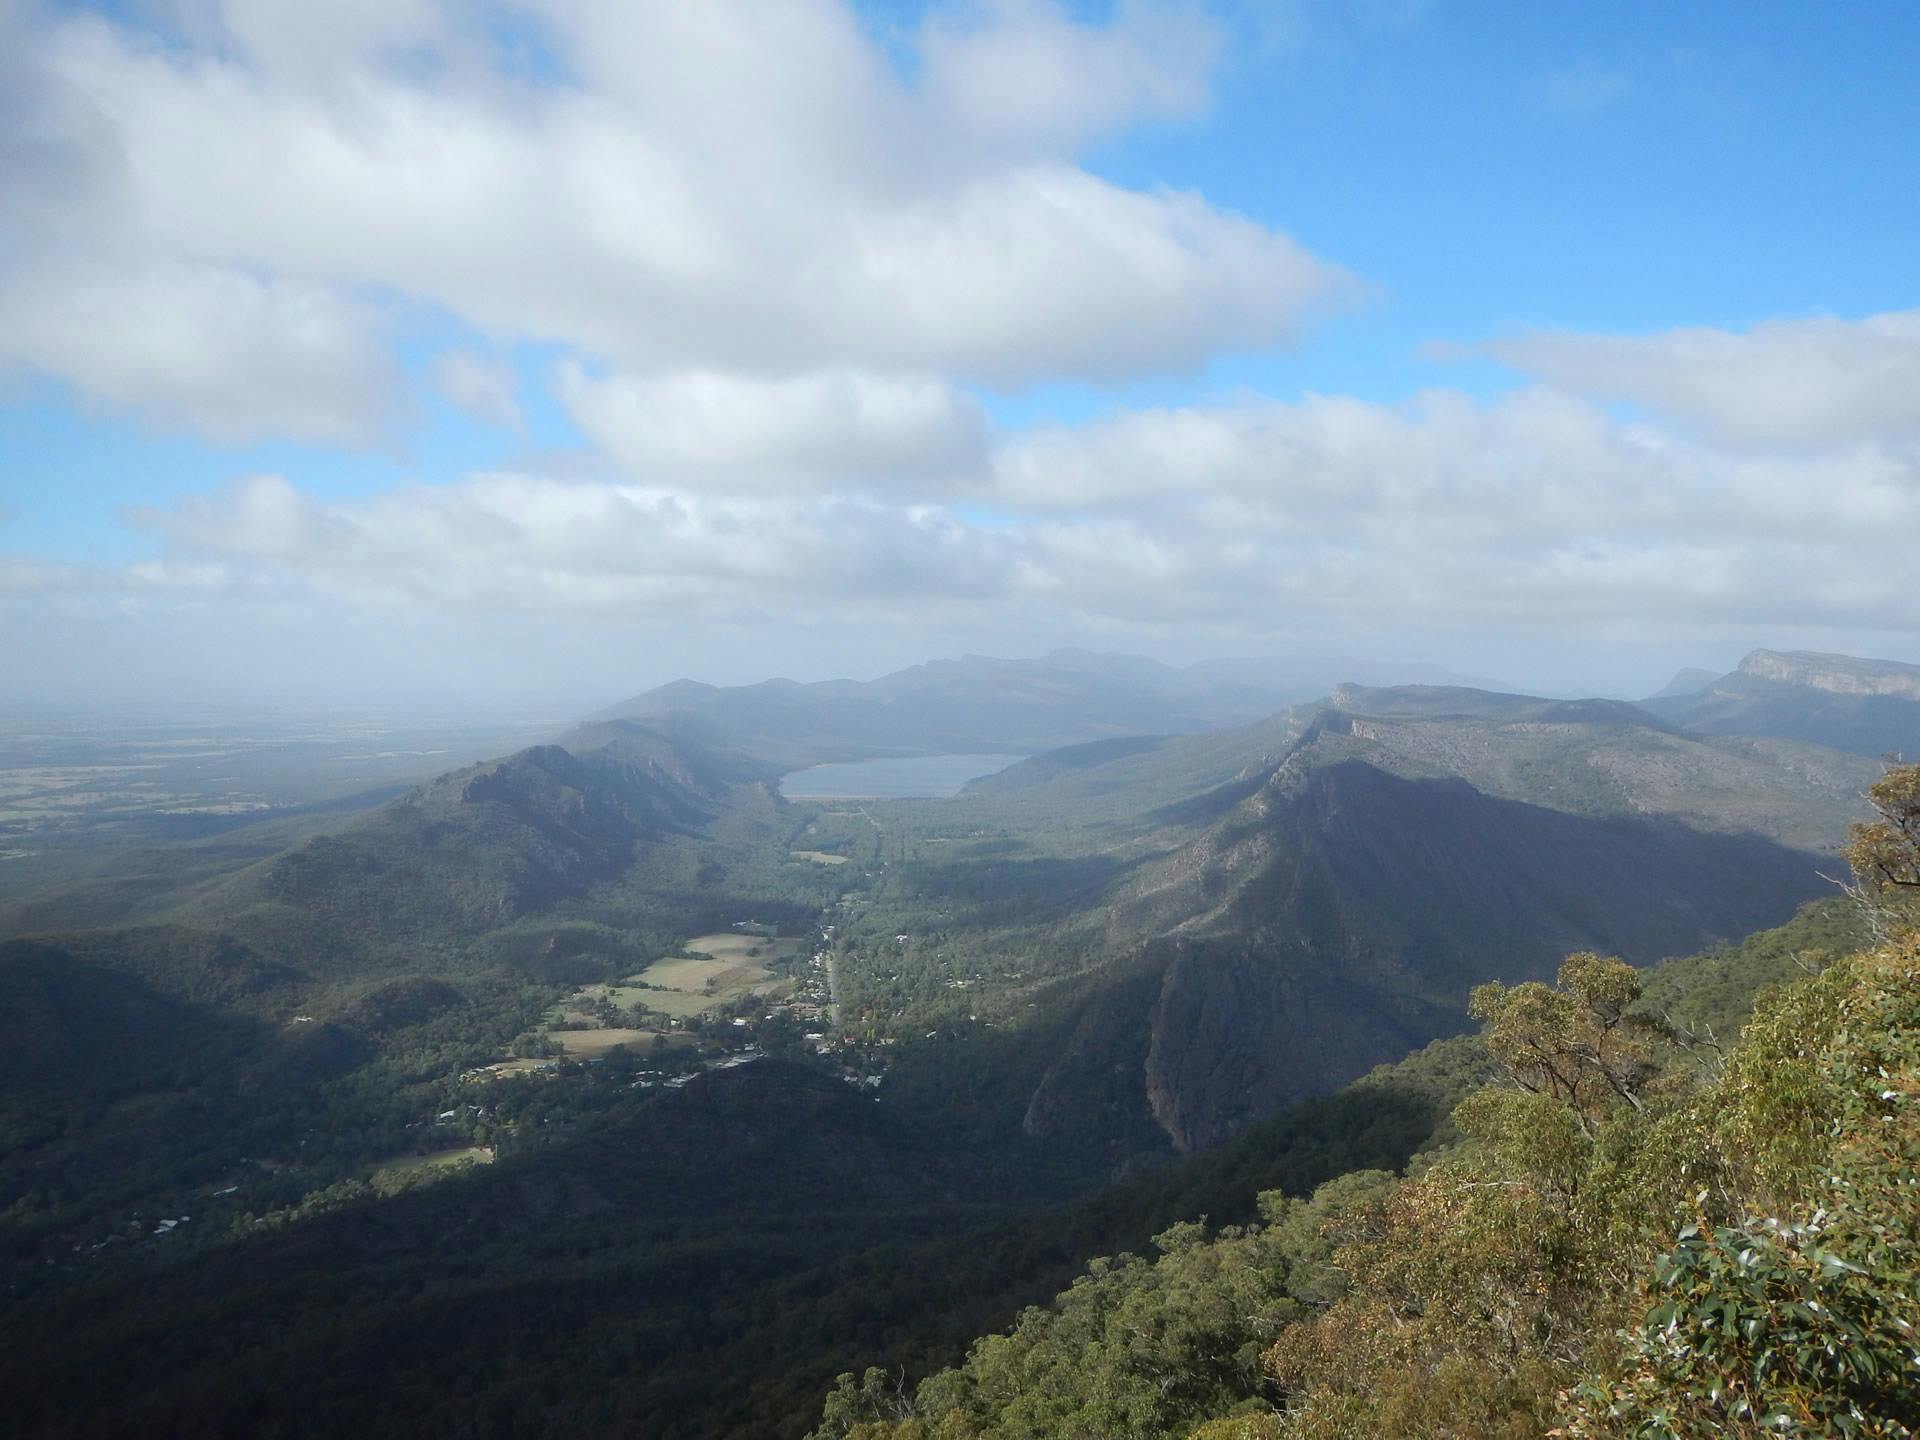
<point x="1870" y="707"/>
<point x="1338" y="917"/>
<point x="478" y="848"/>
<point x="975" y="703"/>
<point x="1327" y="905"/>
<point x="1522" y="1205"/>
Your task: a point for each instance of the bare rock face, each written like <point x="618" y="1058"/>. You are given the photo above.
<point x="1836" y="674"/>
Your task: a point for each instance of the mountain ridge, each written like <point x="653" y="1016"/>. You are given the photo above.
<point x="1845" y="702"/>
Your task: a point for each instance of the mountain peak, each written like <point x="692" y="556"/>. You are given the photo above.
<point x="1429" y="701"/>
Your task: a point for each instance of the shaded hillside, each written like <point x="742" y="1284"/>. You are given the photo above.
<point x="109" y="1014"/>
<point x="482" y="847"/>
<point x="766" y="1222"/>
<point x="975" y="703"/>
<point x="1869" y="707"/>
<point x="1337" y="918"/>
<point x="1332" y="882"/>
<point x="699" y="1264"/>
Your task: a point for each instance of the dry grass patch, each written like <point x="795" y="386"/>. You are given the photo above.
<point x="592" y="1044"/>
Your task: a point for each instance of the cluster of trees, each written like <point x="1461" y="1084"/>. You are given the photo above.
<point x="1637" y="1233"/>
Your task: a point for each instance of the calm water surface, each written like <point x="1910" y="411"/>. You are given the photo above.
<point x="920" y="777"/>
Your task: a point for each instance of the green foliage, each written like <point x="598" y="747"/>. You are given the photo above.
<point x="1528" y="1279"/>
<point x="1136" y="1348"/>
<point x="1764" y="1329"/>
<point x="1806" y="1326"/>
<point x="1576" y="1044"/>
<point x="1885" y="853"/>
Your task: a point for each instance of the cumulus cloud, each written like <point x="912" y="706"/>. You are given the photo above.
<point x="560" y="549"/>
<point x="1021" y="73"/>
<point x="776" y="263"/>
<point x="738" y="187"/>
<point x="821" y="430"/>
<point x="189" y="342"/>
<point x="1234" y="526"/>
<point x="1811" y="382"/>
<point x="207" y="348"/>
<point x="1534" y="508"/>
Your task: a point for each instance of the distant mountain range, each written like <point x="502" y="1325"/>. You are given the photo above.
<point x="1871" y="707"/>
<point x="981" y="704"/>
<point x="975" y="703"/>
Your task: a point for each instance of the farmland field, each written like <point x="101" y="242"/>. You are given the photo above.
<point x="735" y="947"/>
<point x="719" y="968"/>
<point x="687" y="985"/>
<point x="818" y="857"/>
<point x="592" y="1044"/>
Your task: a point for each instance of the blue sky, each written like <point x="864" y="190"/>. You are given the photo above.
<point x="809" y="338"/>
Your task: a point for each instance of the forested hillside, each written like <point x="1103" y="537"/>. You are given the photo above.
<point x="1642" y="1228"/>
<point x="1148" y="945"/>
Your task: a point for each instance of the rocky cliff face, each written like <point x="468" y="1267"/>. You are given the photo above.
<point x="1836" y="674"/>
<point x="1869" y="707"/>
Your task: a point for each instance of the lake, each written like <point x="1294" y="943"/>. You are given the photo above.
<point x="914" y="778"/>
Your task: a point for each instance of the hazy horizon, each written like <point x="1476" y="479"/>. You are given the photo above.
<point x="1305" y="676"/>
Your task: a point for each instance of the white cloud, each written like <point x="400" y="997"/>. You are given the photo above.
<point x="647" y="556"/>
<point x="1535" y="523"/>
<point x="1019" y="72"/>
<point x="484" y="388"/>
<point x="1812" y="382"/>
<point x="817" y="431"/>
<point x="775" y="274"/>
<point x="742" y="187"/>
<point x="188" y="342"/>
<point x="208" y="348"/>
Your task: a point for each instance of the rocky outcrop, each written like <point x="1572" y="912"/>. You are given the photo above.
<point x="1836" y="674"/>
<point x="1844" y="702"/>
